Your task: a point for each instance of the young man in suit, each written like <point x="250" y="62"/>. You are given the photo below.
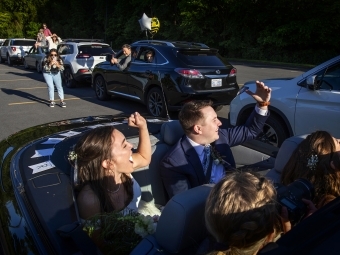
<point x="203" y="154"/>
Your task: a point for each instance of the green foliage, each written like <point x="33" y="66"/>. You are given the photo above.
<point x="294" y="30"/>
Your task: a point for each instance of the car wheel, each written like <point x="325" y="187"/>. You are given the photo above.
<point x="25" y="64"/>
<point x="274" y="132"/>
<point x="68" y="78"/>
<point x="100" y="88"/>
<point x="9" y="62"/>
<point x="2" y="60"/>
<point x="155" y="103"/>
<point x="38" y="67"/>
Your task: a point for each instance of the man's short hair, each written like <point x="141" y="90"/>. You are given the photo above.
<point x="126" y="46"/>
<point x="191" y="113"/>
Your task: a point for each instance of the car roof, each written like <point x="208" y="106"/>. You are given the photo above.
<point x="174" y="44"/>
<point x="75" y="40"/>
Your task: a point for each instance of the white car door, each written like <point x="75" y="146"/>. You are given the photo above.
<point x="320" y="109"/>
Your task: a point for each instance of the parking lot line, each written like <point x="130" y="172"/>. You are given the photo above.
<point x="18" y="80"/>
<point x="46" y="101"/>
<point x="31" y="88"/>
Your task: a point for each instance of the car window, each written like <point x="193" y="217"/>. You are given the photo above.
<point x="6" y="43"/>
<point x="331" y="78"/>
<point x="31" y="50"/>
<point x="65" y="49"/>
<point x="95" y="49"/>
<point x="328" y="79"/>
<point x="23" y="43"/>
<point x="199" y="58"/>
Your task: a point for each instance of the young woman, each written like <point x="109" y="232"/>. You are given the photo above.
<point x="41" y="40"/>
<point x="105" y="162"/>
<point x="315" y="160"/>
<point x="53" y="41"/>
<point x="52" y="66"/>
<point x="241" y="213"/>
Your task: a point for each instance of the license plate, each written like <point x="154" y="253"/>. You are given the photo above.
<point x="216" y="82"/>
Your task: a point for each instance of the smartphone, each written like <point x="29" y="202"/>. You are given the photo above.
<point x="54" y="58"/>
<point x="244" y="88"/>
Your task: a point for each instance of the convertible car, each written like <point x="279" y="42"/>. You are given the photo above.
<point x="39" y="214"/>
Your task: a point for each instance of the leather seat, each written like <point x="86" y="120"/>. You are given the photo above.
<point x="286" y="150"/>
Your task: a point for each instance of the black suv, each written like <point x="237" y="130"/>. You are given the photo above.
<point x="180" y="72"/>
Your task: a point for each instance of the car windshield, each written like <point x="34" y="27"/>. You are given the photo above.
<point x="95" y="49"/>
<point x="23" y="43"/>
<point x="200" y="58"/>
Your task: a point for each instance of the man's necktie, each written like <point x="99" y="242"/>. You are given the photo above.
<point x="206" y="158"/>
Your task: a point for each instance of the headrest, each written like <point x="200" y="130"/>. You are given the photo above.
<point x="286" y="150"/>
<point x="171" y="132"/>
<point x="182" y="223"/>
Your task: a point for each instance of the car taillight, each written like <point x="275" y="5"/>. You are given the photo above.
<point x="233" y="72"/>
<point x="82" y="55"/>
<point x="84" y="70"/>
<point x="14" y="48"/>
<point x="189" y="73"/>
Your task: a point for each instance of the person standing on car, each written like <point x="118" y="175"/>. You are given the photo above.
<point x="47" y="32"/>
<point x="125" y="61"/>
<point x="52" y="66"/>
<point x="53" y="41"/>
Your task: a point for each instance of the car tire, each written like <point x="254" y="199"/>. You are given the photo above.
<point x="9" y="62"/>
<point x="38" y="67"/>
<point x="2" y="60"/>
<point x="274" y="132"/>
<point x="68" y="78"/>
<point x="25" y="64"/>
<point x="155" y="103"/>
<point x="100" y="88"/>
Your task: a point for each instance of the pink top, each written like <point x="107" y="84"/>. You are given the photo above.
<point x="47" y="32"/>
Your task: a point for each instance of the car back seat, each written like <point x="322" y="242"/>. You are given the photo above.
<point x="181" y="227"/>
<point x="286" y="150"/>
<point x="149" y="177"/>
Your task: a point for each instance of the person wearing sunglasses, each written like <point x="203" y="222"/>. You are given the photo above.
<point x="52" y="67"/>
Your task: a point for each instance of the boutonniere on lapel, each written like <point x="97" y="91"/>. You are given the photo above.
<point x="216" y="156"/>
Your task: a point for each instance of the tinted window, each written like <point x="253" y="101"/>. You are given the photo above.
<point x="200" y="58"/>
<point x="44" y="50"/>
<point x="95" y="50"/>
<point x="23" y="43"/>
<point x="65" y="49"/>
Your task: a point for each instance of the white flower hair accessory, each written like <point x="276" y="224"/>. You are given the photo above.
<point x="312" y="161"/>
<point x="72" y="156"/>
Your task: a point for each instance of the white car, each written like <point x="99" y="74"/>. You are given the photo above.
<point x="35" y="57"/>
<point x="79" y="57"/>
<point x="300" y="105"/>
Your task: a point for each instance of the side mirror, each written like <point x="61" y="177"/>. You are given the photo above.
<point x="312" y="82"/>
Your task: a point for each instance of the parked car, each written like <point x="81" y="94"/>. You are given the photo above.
<point x="34" y="57"/>
<point x="39" y="214"/>
<point x="299" y="105"/>
<point x="13" y="49"/>
<point x="80" y="56"/>
<point x="180" y="72"/>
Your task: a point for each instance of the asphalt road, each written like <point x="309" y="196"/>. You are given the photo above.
<point x="24" y="98"/>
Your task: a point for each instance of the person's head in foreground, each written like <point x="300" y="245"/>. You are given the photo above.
<point x="315" y="159"/>
<point x="199" y="121"/>
<point x="241" y="212"/>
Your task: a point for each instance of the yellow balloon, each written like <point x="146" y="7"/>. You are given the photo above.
<point x="155" y="24"/>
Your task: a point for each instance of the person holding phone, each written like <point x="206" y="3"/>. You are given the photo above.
<point x="52" y="66"/>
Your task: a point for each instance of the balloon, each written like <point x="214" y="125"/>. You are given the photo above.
<point x="155" y="24"/>
<point x="145" y="22"/>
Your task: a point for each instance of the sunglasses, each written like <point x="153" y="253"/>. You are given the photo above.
<point x="53" y="55"/>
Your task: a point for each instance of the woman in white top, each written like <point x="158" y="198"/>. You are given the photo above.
<point x="105" y="162"/>
<point x="53" y="41"/>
